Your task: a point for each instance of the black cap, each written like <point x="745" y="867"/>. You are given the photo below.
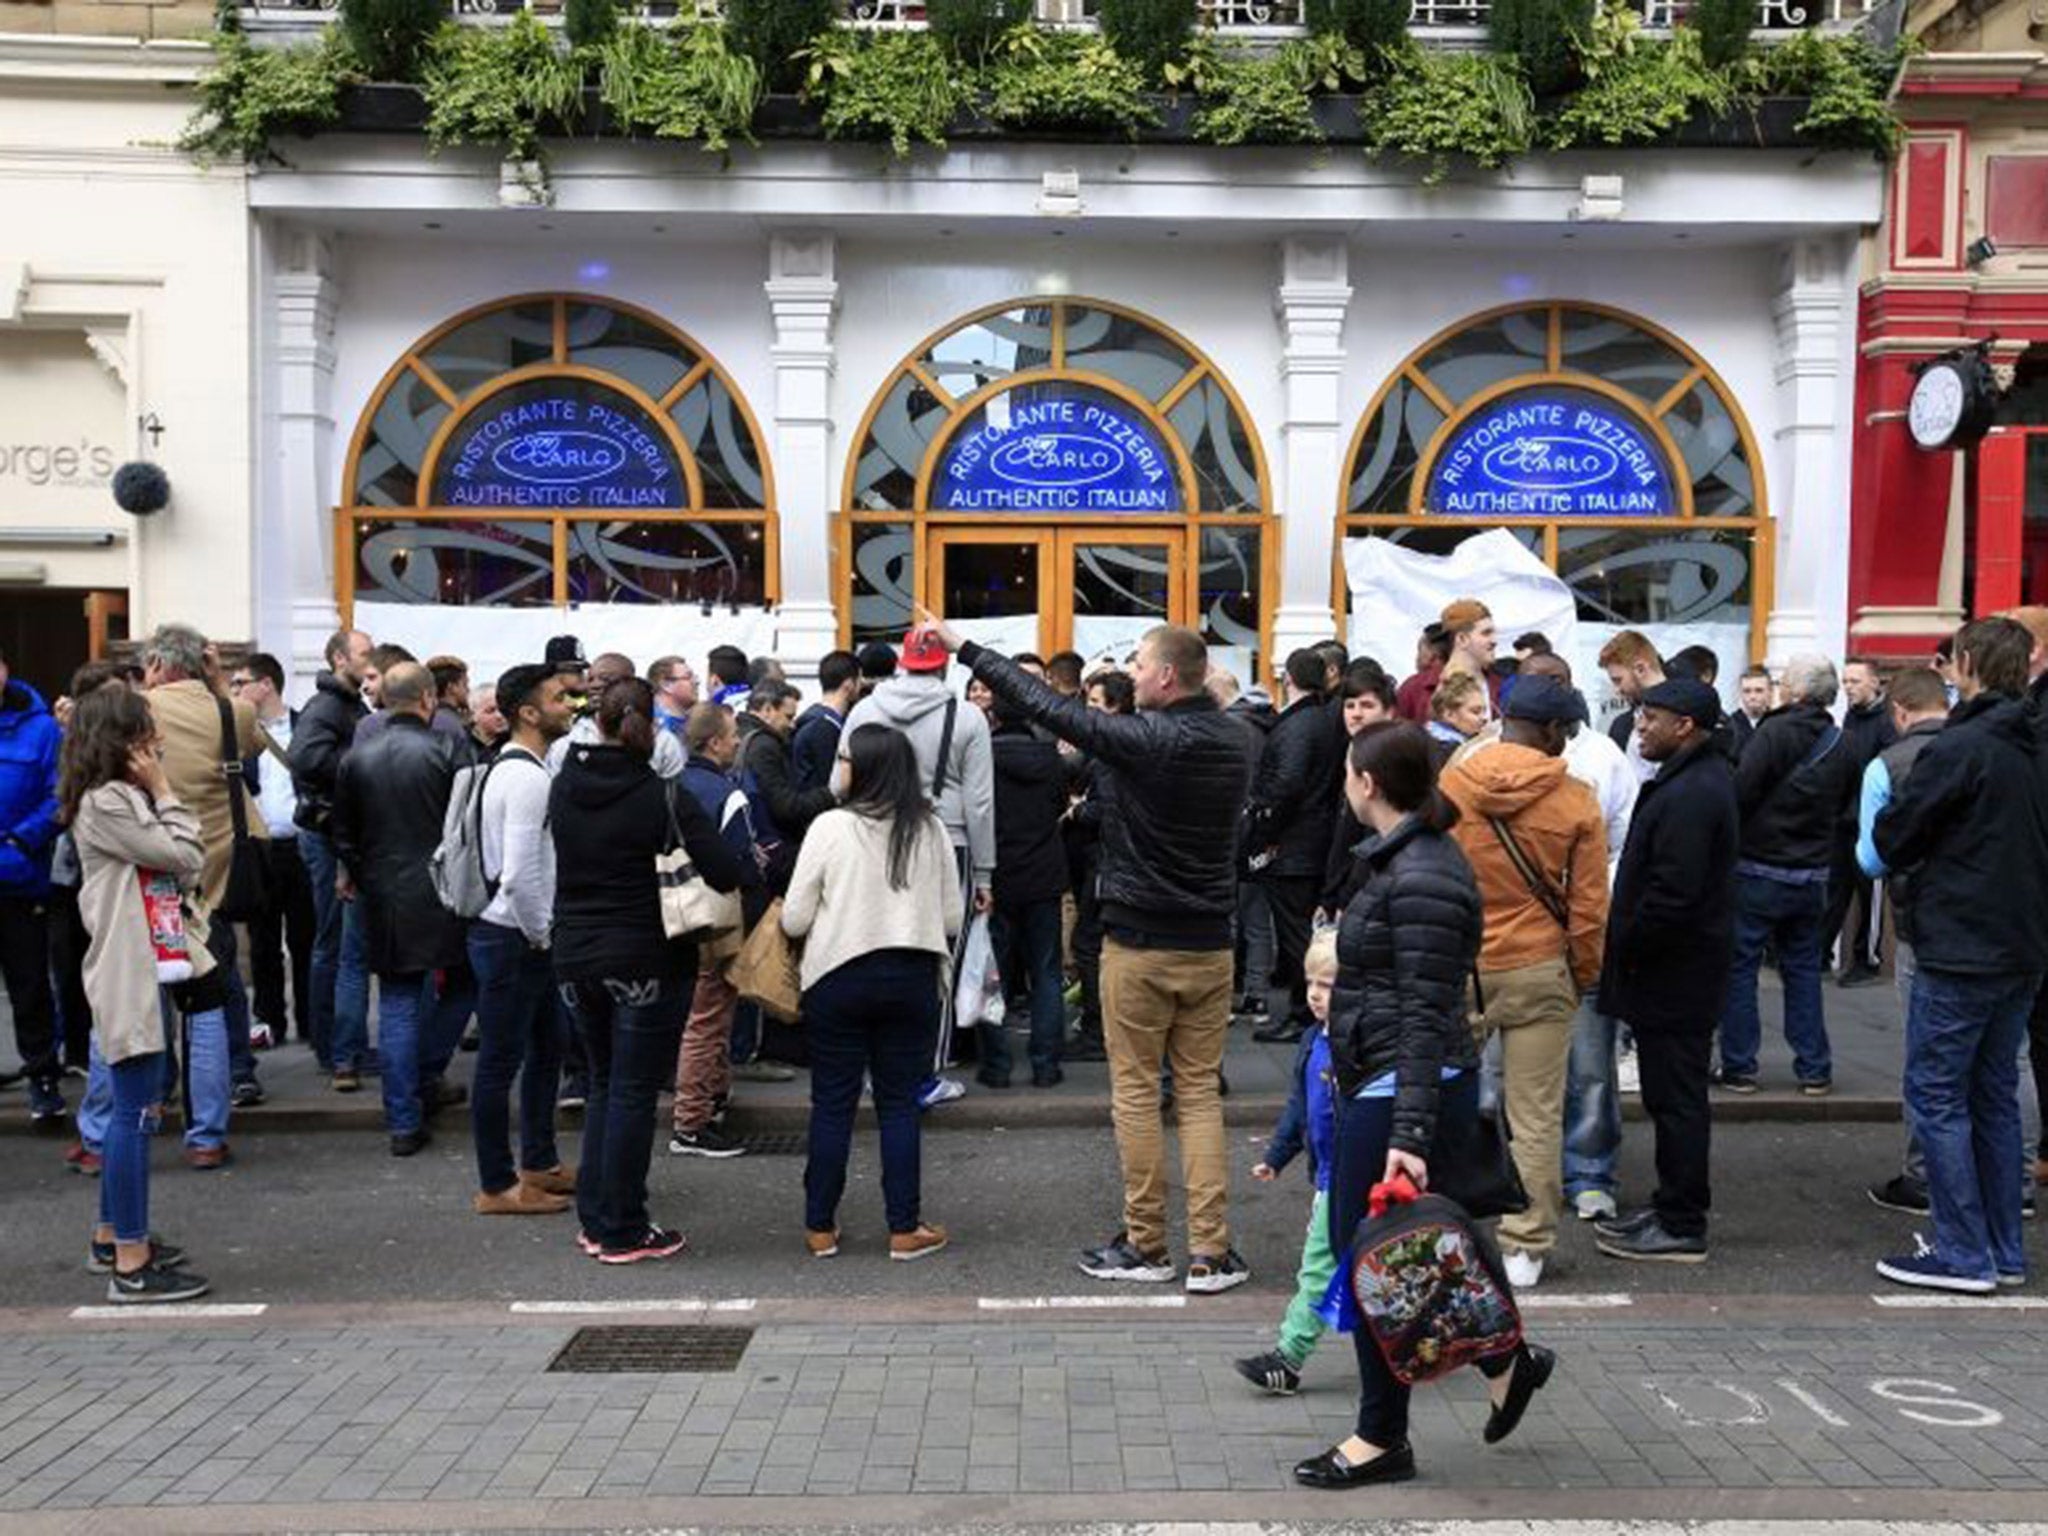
<point x="1686" y="696"/>
<point x="565" y="654"/>
<point x="1543" y="699"/>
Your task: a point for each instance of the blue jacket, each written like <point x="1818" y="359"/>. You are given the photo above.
<point x="713" y="787"/>
<point x="1311" y="1114"/>
<point x="29" y="739"/>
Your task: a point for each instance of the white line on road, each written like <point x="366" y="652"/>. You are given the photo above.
<point x="1062" y="1303"/>
<point x="175" y="1309"/>
<point x="1820" y="1410"/>
<point x="648" y="1304"/>
<point x="1995" y="1303"/>
<point x="1585" y="1301"/>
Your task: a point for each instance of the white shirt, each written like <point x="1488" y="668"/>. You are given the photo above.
<point x="517" y="851"/>
<point x="669" y="758"/>
<point x="275" y="797"/>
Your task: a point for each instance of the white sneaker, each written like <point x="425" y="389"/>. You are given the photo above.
<point x="1524" y="1269"/>
<point x="1627" y="1077"/>
<point x="1594" y="1204"/>
<point x="944" y="1090"/>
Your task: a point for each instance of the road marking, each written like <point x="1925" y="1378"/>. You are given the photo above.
<point x="649" y="1304"/>
<point x="1807" y="1400"/>
<point x="174" y="1309"/>
<point x="1992" y="1303"/>
<point x="1062" y="1303"/>
<point x="1587" y="1301"/>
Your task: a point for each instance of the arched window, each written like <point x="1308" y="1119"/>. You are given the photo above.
<point x="553" y="449"/>
<point x="1603" y="444"/>
<point x="1060" y="473"/>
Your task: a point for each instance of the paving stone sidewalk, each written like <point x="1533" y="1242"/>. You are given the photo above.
<point x="172" y="1414"/>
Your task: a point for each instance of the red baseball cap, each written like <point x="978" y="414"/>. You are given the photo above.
<point x="922" y="652"/>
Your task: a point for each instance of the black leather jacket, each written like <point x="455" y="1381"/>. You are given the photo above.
<point x="1296" y="791"/>
<point x="1791" y="790"/>
<point x="1406" y="948"/>
<point x="389" y="801"/>
<point x="1172" y="783"/>
<point x="321" y="738"/>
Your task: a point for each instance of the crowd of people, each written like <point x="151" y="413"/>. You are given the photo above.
<point x="1451" y="896"/>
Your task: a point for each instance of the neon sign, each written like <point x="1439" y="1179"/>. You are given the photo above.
<point x="559" y="443"/>
<point x="1552" y="453"/>
<point x="1056" y="448"/>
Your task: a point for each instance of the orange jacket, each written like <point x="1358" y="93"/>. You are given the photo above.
<point x="1556" y="821"/>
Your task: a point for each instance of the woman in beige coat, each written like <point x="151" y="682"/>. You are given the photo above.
<point x="139" y="853"/>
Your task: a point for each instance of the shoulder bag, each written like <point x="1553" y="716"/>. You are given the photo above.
<point x="247" y="894"/>
<point x="1547" y="895"/>
<point x="690" y="908"/>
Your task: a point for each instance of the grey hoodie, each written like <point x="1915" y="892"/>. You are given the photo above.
<point x="915" y="704"/>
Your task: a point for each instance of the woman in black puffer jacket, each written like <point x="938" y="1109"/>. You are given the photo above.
<point x="1404" y="1057"/>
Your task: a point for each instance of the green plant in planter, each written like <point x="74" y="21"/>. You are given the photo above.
<point x="774" y="33"/>
<point x="1367" y="25"/>
<point x="253" y="93"/>
<point x="970" y="30"/>
<point x="391" y="36"/>
<point x="1640" y="94"/>
<point x="1847" y="84"/>
<point x="500" y="86"/>
<point x="1039" y="79"/>
<point x="590" y="23"/>
<point x="1433" y="105"/>
<point x="1544" y="37"/>
<point x="1250" y="98"/>
<point x="680" y="82"/>
<point x="1723" y="27"/>
<point x="1150" y="33"/>
<point x="897" y="86"/>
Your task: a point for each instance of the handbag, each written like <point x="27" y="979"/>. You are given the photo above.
<point x="247" y="895"/>
<point x="690" y="908"/>
<point x="766" y="972"/>
<point x="1472" y="1162"/>
<point x="1429" y="1284"/>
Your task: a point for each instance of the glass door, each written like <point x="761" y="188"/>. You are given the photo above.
<point x="996" y="585"/>
<point x="1117" y="583"/>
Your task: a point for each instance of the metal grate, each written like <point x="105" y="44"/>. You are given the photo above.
<point x="776" y="1143"/>
<point x="688" y="1347"/>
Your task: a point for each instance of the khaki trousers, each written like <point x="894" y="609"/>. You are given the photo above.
<point x="1531" y="1008"/>
<point x="704" y="1059"/>
<point x="1168" y="1005"/>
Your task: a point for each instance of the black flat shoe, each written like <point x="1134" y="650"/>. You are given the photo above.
<point x="1532" y="1370"/>
<point x="1331" y="1470"/>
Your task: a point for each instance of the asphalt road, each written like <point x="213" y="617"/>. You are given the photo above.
<point x="332" y="1218"/>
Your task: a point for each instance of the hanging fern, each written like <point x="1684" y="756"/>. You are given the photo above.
<point x="896" y="86"/>
<point x="681" y="82"/>
<point x="500" y="86"/>
<point x="252" y="94"/>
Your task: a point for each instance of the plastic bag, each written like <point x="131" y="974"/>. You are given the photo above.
<point x="978" y="986"/>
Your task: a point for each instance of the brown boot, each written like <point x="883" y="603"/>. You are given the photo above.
<point x="520" y="1200"/>
<point x="558" y="1180"/>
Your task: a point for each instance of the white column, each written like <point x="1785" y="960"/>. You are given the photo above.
<point x="297" y="490"/>
<point x="1815" y="312"/>
<point x="1313" y="297"/>
<point x="803" y="295"/>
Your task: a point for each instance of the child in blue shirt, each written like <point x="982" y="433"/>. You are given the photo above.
<point x="1308" y="1121"/>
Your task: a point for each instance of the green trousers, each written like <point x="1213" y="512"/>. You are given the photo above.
<point x="1302" y="1325"/>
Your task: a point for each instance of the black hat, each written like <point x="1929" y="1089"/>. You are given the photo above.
<point x="565" y="654"/>
<point x="1686" y="696"/>
<point x="1544" y="700"/>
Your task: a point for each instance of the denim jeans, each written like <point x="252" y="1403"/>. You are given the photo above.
<point x="1963" y="1036"/>
<point x="1254" y="940"/>
<point x="631" y="1028"/>
<point x="221" y="940"/>
<point x="340" y="975"/>
<point x="96" y="1109"/>
<point x="207" y="1078"/>
<point x="877" y="1017"/>
<point x="446" y="1006"/>
<point x="1904" y="968"/>
<point x="403" y="1003"/>
<point x="124" y="1175"/>
<point x="520" y="1036"/>
<point x="1768" y="911"/>
<point x="1592" y="1107"/>
<point x="1027" y="940"/>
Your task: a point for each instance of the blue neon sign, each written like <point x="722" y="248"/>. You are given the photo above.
<point x="1552" y="453"/>
<point x="559" y="443"/>
<point x="1056" y="448"/>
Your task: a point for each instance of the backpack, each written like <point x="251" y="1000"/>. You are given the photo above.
<point x="457" y="864"/>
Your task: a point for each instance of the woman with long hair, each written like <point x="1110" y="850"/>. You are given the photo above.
<point x="876" y="899"/>
<point x="139" y="855"/>
<point x="626" y="981"/>
<point x="1405" y="1061"/>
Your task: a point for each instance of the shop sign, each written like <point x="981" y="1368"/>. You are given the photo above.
<point x="559" y="445"/>
<point x="1556" y="453"/>
<point x="1954" y="400"/>
<point x="1070" y="451"/>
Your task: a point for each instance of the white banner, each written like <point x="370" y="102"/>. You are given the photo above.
<point x="1396" y="591"/>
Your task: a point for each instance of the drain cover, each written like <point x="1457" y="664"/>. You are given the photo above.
<point x="776" y="1143"/>
<point x="688" y="1347"/>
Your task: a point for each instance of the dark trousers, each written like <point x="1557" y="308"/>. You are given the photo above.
<point x="1027" y="941"/>
<point x="519" y="1033"/>
<point x="877" y="1017"/>
<point x="631" y="1027"/>
<point x="288" y="925"/>
<point x="1363" y="1126"/>
<point x="1847" y="882"/>
<point x="68" y="944"/>
<point x="1088" y="957"/>
<point x="1292" y="900"/>
<point x="2037" y="1048"/>
<point x="25" y="963"/>
<point x="1674" y="1067"/>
